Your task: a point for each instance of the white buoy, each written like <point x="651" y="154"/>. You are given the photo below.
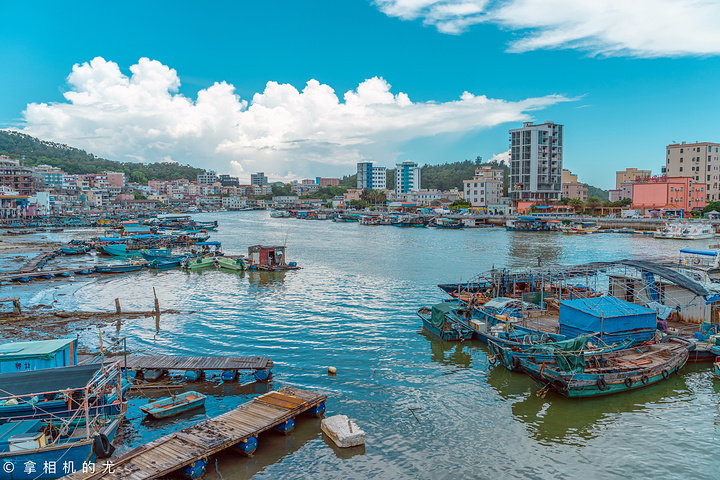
<point x="332" y="371"/>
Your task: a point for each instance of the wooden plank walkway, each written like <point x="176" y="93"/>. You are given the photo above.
<point x="38" y="273"/>
<point x="171" y="452"/>
<point x="194" y="363"/>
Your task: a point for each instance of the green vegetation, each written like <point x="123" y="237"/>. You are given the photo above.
<point x="599" y="193"/>
<point x="75" y="161"/>
<point x="711" y="206"/>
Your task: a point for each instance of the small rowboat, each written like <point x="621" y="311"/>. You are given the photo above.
<point x="175" y="405"/>
<point x="76" y="251"/>
<point x="235" y="264"/>
<point x="118" y="268"/>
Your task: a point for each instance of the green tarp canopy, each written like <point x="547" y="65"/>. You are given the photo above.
<point x="571" y="358"/>
<point x="572" y="345"/>
<point x="438" y="313"/>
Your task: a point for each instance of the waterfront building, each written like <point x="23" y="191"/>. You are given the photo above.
<point x="699" y="161"/>
<point x="407" y="177"/>
<point x="485" y="188"/>
<point x="569" y="177"/>
<point x="632" y="175"/>
<point x="259" y="190"/>
<point x="574" y="190"/>
<point x="228" y="181"/>
<point x="258" y="178"/>
<point x="51" y="175"/>
<point x="370" y="177"/>
<point x="327" y="182"/>
<point x="673" y="193"/>
<point x="15" y="176"/>
<point x="536" y="158"/>
<point x="208" y="178"/>
<point x="305" y="187"/>
<point x="615" y="194"/>
<point x="352" y="194"/>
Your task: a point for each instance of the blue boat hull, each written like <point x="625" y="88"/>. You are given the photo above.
<point x="14" y="464"/>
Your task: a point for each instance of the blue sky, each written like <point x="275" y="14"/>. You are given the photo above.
<point x="225" y="84"/>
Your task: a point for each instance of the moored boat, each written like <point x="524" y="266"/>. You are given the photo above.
<point x="174" y="405"/>
<point x="444" y="320"/>
<point x="448" y="223"/>
<point x="576" y="376"/>
<point x="191" y="263"/>
<point x="510" y="355"/>
<point x="229" y="263"/>
<point x="118" y="268"/>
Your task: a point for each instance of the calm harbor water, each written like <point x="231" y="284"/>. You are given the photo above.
<point x="353" y="306"/>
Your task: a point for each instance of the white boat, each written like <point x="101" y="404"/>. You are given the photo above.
<point x="686" y="231"/>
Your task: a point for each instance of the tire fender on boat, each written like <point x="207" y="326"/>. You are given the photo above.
<point x="492" y="359"/>
<point x="515" y="362"/>
<point x="560" y="384"/>
<point x="602" y="384"/>
<point x="102" y="446"/>
<point x="665" y="374"/>
<point x="628" y="382"/>
<point x="644" y="379"/>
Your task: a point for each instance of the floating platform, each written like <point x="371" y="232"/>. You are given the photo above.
<point x="187" y="448"/>
<point x="164" y="362"/>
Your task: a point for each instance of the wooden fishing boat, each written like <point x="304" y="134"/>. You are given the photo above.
<point x="234" y="264"/>
<point x="448" y="223"/>
<point x="118" y="268"/>
<point x="156" y="254"/>
<point x="509" y="356"/>
<point x="444" y="321"/>
<point x="197" y="263"/>
<point x="174" y="405"/>
<point x="576" y="376"/>
<point x="167" y="262"/>
<point x="85" y="271"/>
<point x="77" y="250"/>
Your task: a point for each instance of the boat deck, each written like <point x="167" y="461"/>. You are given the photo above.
<point x="171" y="452"/>
<point x="164" y="362"/>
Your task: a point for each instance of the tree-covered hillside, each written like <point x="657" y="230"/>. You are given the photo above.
<point x="74" y="161"/>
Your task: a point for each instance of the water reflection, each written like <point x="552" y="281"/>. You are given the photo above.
<point x="556" y="419"/>
<point x="525" y="248"/>
<point x="265" y="280"/>
<point x="454" y="354"/>
<point x="272" y="447"/>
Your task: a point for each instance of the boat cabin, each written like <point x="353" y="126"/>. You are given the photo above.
<point x="38" y="355"/>
<point x="266" y="256"/>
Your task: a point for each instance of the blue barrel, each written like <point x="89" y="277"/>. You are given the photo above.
<point x="228" y="375"/>
<point x="285" y="427"/>
<point x="699" y="336"/>
<point x="263" y="375"/>
<point x="246" y="447"/>
<point x="293" y="264"/>
<point x="193" y="375"/>
<point x="194" y="470"/>
<point x="317" y="410"/>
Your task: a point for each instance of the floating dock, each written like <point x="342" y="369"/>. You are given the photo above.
<point x="193" y="444"/>
<point x="164" y="362"/>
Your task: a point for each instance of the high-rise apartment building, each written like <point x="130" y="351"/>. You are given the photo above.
<point x="631" y="175"/>
<point x="208" y="178"/>
<point x="486" y="188"/>
<point x="258" y="179"/>
<point x="407" y="177"/>
<point x="536" y="159"/>
<point x="699" y="161"/>
<point x="371" y="178"/>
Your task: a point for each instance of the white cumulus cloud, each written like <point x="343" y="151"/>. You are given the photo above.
<point x="282" y="131"/>
<point x="643" y="28"/>
<point x="503" y="157"/>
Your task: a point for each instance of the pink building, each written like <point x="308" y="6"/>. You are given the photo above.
<point x="115" y="179"/>
<point x="674" y="193"/>
<point x="327" y="182"/>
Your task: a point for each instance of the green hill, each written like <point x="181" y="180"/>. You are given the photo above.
<point x="76" y="161"/>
